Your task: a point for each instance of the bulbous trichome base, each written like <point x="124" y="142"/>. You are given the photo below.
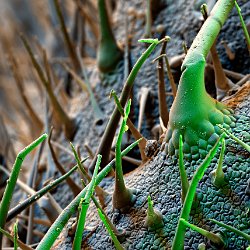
<point x="155" y="221"/>
<point x="108" y="56"/>
<point x="218" y="180"/>
<point x="70" y="128"/>
<point x="195" y="115"/>
<point x="123" y="200"/>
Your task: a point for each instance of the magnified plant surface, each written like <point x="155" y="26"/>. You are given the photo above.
<point x="166" y="140"/>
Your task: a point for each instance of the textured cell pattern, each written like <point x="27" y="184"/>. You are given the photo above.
<point x="195" y="114"/>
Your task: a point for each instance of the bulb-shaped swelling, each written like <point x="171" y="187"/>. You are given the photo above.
<point x="154" y="219"/>
<point x="108" y="54"/>
<point x="195" y="114"/>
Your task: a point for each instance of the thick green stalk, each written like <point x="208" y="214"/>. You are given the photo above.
<point x="56" y="228"/>
<point x="221" y="82"/>
<point x="122" y="196"/>
<point x="194" y="113"/>
<point x="230" y="228"/>
<point x="210" y="30"/>
<point x="216" y="239"/>
<point x="109" y="133"/>
<point x="8" y="192"/>
<point x="83" y="207"/>
<point x="30" y="200"/>
<point x="178" y="242"/>
<point x="108" y="54"/>
<point x="183" y="174"/>
<point x="117" y="244"/>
